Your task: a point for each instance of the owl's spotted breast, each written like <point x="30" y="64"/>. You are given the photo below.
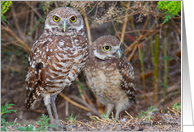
<point x="105" y="83"/>
<point x="61" y="59"/>
<point x="110" y="75"/>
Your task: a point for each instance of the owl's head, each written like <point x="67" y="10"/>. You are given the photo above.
<point x="64" y="19"/>
<point x="106" y="47"/>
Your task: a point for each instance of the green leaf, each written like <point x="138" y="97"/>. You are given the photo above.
<point x="166" y="12"/>
<point x="170" y="8"/>
<point x="4" y="109"/>
<point x="27" y="128"/>
<point x="3" y="18"/>
<point x="4" y="8"/>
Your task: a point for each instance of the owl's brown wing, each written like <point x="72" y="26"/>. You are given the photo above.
<point x="36" y="75"/>
<point x="128" y="82"/>
<point x="34" y="82"/>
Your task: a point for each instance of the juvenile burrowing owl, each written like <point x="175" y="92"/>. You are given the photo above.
<point x="110" y="75"/>
<point x="56" y="58"/>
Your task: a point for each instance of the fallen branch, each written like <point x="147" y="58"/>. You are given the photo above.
<point x="92" y="109"/>
<point x="85" y="124"/>
<point x="74" y="103"/>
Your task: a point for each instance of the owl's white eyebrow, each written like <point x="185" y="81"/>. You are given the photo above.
<point x="98" y="55"/>
<point x="57" y="14"/>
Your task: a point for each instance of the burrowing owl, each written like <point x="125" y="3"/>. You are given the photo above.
<point x="56" y="58"/>
<point x="110" y="75"/>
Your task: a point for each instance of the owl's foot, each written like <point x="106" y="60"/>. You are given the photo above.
<point x="57" y="127"/>
<point x="60" y="127"/>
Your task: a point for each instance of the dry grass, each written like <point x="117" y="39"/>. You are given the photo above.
<point x="171" y="121"/>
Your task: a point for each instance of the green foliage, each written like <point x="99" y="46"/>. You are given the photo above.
<point x="44" y="123"/>
<point x="171" y="7"/>
<point x="104" y="116"/>
<point x="146" y="114"/>
<point x="4" y="124"/>
<point x="27" y="128"/>
<point x="94" y="119"/>
<point x="4" y="8"/>
<point x="176" y="107"/>
<point x="81" y="86"/>
<point x="4" y="111"/>
<point x="71" y="118"/>
<point x="164" y="86"/>
<point x="168" y="58"/>
<point x="40" y="20"/>
<point x="114" y="119"/>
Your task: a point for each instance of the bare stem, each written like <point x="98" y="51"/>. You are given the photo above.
<point x="87" y="27"/>
<point x="156" y="70"/>
<point x="15" y="36"/>
<point x="124" y="25"/>
<point x="165" y="65"/>
<point x="141" y="37"/>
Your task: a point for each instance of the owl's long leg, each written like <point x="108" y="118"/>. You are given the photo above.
<point x="121" y="106"/>
<point x="53" y="97"/>
<point x="47" y="104"/>
<point x="117" y="114"/>
<point x="110" y="108"/>
<point x="53" y="104"/>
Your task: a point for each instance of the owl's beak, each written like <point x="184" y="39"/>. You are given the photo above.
<point x="119" y="53"/>
<point x="64" y="26"/>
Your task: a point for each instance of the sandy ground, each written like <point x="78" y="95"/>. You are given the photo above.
<point x="170" y="121"/>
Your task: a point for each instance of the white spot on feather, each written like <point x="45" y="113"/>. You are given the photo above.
<point x="61" y="43"/>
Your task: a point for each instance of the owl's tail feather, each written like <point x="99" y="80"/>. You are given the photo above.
<point x="34" y="87"/>
<point x="33" y="98"/>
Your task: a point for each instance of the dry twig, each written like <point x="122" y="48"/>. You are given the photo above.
<point x="87" y="27"/>
<point x="15" y="36"/>
<point x="74" y="103"/>
<point x="124" y="25"/>
<point x="92" y="109"/>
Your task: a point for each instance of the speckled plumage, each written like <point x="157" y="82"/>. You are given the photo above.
<point x="110" y="75"/>
<point x="56" y="58"/>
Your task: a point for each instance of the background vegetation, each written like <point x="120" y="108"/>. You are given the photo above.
<point x="150" y="34"/>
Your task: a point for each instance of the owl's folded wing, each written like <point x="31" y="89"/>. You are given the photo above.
<point x="128" y="82"/>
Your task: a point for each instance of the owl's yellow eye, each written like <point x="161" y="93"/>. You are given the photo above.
<point x="56" y="18"/>
<point x="73" y="19"/>
<point x="107" y="47"/>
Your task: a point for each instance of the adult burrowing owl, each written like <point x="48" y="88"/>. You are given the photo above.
<point x="56" y="58"/>
<point x="110" y="75"/>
